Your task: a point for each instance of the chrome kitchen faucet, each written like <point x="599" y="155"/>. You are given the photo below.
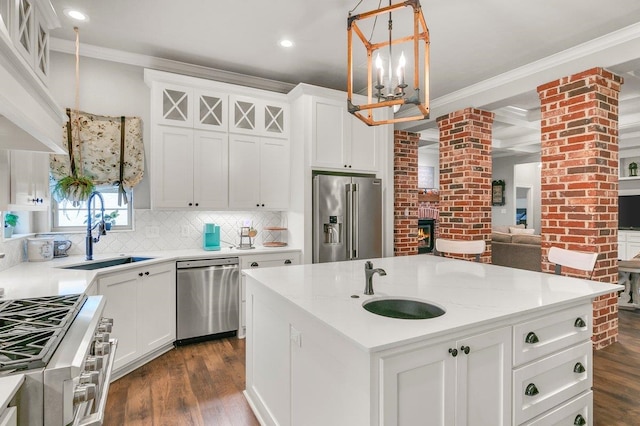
<point x="369" y="272"/>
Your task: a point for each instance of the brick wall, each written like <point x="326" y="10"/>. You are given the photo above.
<point x="405" y="183"/>
<point x="579" y="185"/>
<point x="465" y="177"/>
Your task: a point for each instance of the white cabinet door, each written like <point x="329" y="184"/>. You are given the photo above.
<point x="329" y="133"/>
<point x="210" y="170"/>
<point x="29" y="180"/>
<point x="364" y="153"/>
<point x="484" y="379"/>
<point x="156" y="307"/>
<point x="274" y="173"/>
<point x="244" y="172"/>
<point x="173" y="105"/>
<point x="211" y="110"/>
<point x="418" y="385"/>
<point x="173" y="168"/>
<point x="259" y="117"/>
<point x="276" y="119"/>
<point x="447" y="385"/>
<point x="120" y="290"/>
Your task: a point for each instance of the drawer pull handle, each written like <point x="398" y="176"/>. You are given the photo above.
<point x="531" y="338"/>
<point x="531" y="390"/>
<point x="579" y="368"/>
<point x="579" y="421"/>
<point x="465" y="349"/>
<point x="254" y="264"/>
<point x="287" y="262"/>
<point x="579" y="323"/>
<point x="453" y="352"/>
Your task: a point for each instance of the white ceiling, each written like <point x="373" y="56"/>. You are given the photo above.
<point x="490" y="54"/>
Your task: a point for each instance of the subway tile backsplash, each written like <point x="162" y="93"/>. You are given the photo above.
<point x="158" y="230"/>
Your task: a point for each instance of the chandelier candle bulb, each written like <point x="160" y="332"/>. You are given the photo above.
<point x="379" y="72"/>
<point x="401" y="65"/>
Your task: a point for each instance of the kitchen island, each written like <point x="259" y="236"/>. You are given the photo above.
<point x="512" y="348"/>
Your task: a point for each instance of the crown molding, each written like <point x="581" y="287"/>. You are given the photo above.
<point x="606" y="51"/>
<point x="146" y="61"/>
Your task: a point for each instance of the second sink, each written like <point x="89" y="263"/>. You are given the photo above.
<point x="107" y="263"/>
<point x="403" y="308"/>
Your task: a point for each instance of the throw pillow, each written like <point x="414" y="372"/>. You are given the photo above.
<point x="501" y="228"/>
<point x="515" y="230"/>
<point x="501" y="237"/>
<point x="527" y="239"/>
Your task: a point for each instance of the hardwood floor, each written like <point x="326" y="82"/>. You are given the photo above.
<point x="202" y="384"/>
<point x="198" y="384"/>
<point x="616" y="376"/>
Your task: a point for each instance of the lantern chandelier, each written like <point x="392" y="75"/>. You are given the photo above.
<point x="390" y="89"/>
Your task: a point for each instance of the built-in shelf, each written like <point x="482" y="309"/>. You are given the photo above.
<point x="629" y="178"/>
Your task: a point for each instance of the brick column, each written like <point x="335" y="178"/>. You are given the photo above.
<point x="465" y="177"/>
<point x="405" y="184"/>
<point x="579" y="185"/>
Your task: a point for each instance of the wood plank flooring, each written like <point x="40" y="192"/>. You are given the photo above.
<point x="202" y="384"/>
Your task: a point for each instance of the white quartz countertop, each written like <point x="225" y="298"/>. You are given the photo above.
<point x="471" y="293"/>
<point x="40" y="279"/>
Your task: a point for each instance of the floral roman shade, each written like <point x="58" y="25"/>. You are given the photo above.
<point x="97" y="153"/>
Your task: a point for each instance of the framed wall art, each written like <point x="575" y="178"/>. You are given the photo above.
<point x="497" y="193"/>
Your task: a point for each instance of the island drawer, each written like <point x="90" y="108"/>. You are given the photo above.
<point x="543" y="384"/>
<point x="543" y="336"/>
<point x="569" y="413"/>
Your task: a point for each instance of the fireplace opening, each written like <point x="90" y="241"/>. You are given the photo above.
<point x="425" y="235"/>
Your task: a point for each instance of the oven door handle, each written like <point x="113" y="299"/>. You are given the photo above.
<point x="96" y="419"/>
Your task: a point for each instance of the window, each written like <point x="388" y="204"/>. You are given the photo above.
<point x="65" y="217"/>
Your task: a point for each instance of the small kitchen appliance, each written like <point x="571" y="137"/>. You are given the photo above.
<point x="40" y="249"/>
<point x="211" y="237"/>
<point x="60" y="248"/>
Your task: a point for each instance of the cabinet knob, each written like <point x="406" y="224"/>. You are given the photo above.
<point x="579" y="323"/>
<point x="465" y="349"/>
<point x="257" y="205"/>
<point x="254" y="264"/>
<point x="453" y="352"/>
<point x="579" y="421"/>
<point x="345" y="165"/>
<point x="146" y="273"/>
<point x="139" y="274"/>
<point x="262" y="205"/>
<point x="349" y="165"/>
<point x="531" y="338"/>
<point x="531" y="390"/>
<point x="190" y="204"/>
<point x="197" y="204"/>
<point x="579" y="368"/>
<point x="287" y="262"/>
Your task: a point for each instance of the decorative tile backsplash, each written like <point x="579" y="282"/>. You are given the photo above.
<point x="159" y="230"/>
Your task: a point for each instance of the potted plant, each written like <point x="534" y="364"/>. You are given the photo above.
<point x="633" y="169"/>
<point x="73" y="188"/>
<point x="10" y="222"/>
<point x="109" y="219"/>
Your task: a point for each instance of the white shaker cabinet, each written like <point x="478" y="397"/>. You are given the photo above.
<point x="261" y="117"/>
<point x="29" y="180"/>
<point x="628" y="244"/>
<point x="434" y="382"/>
<point x="142" y="303"/>
<point x="183" y="106"/>
<point x="258" y="172"/>
<point x="190" y="169"/>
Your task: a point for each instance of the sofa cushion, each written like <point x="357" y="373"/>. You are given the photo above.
<point x="526" y="239"/>
<point x="515" y="230"/>
<point x="501" y="228"/>
<point x="502" y="237"/>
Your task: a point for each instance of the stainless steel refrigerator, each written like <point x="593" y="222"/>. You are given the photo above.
<point x="347" y="218"/>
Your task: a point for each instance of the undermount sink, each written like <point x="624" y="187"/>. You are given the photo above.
<point x="403" y="308"/>
<point x="107" y="263"/>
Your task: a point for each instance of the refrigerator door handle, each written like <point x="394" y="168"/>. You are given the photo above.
<point x="316" y="220"/>
<point x="349" y="221"/>
<point x="354" y="221"/>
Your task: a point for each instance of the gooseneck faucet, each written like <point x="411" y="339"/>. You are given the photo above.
<point x="102" y="228"/>
<point x="369" y="272"/>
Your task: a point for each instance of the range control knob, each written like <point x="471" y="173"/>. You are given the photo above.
<point x="105" y="327"/>
<point x="93" y="363"/>
<point x="104" y="320"/>
<point x="100" y="348"/>
<point x="101" y="337"/>
<point x="83" y="393"/>
<point x="87" y="377"/>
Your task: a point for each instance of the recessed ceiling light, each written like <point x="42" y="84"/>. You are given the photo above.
<point x="76" y="15"/>
<point x="286" y="43"/>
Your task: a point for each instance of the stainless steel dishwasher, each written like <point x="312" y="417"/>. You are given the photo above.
<point x="207" y="298"/>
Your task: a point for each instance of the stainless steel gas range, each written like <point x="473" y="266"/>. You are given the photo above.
<point x="62" y="346"/>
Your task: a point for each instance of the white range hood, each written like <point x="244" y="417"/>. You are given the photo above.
<point x="30" y="119"/>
